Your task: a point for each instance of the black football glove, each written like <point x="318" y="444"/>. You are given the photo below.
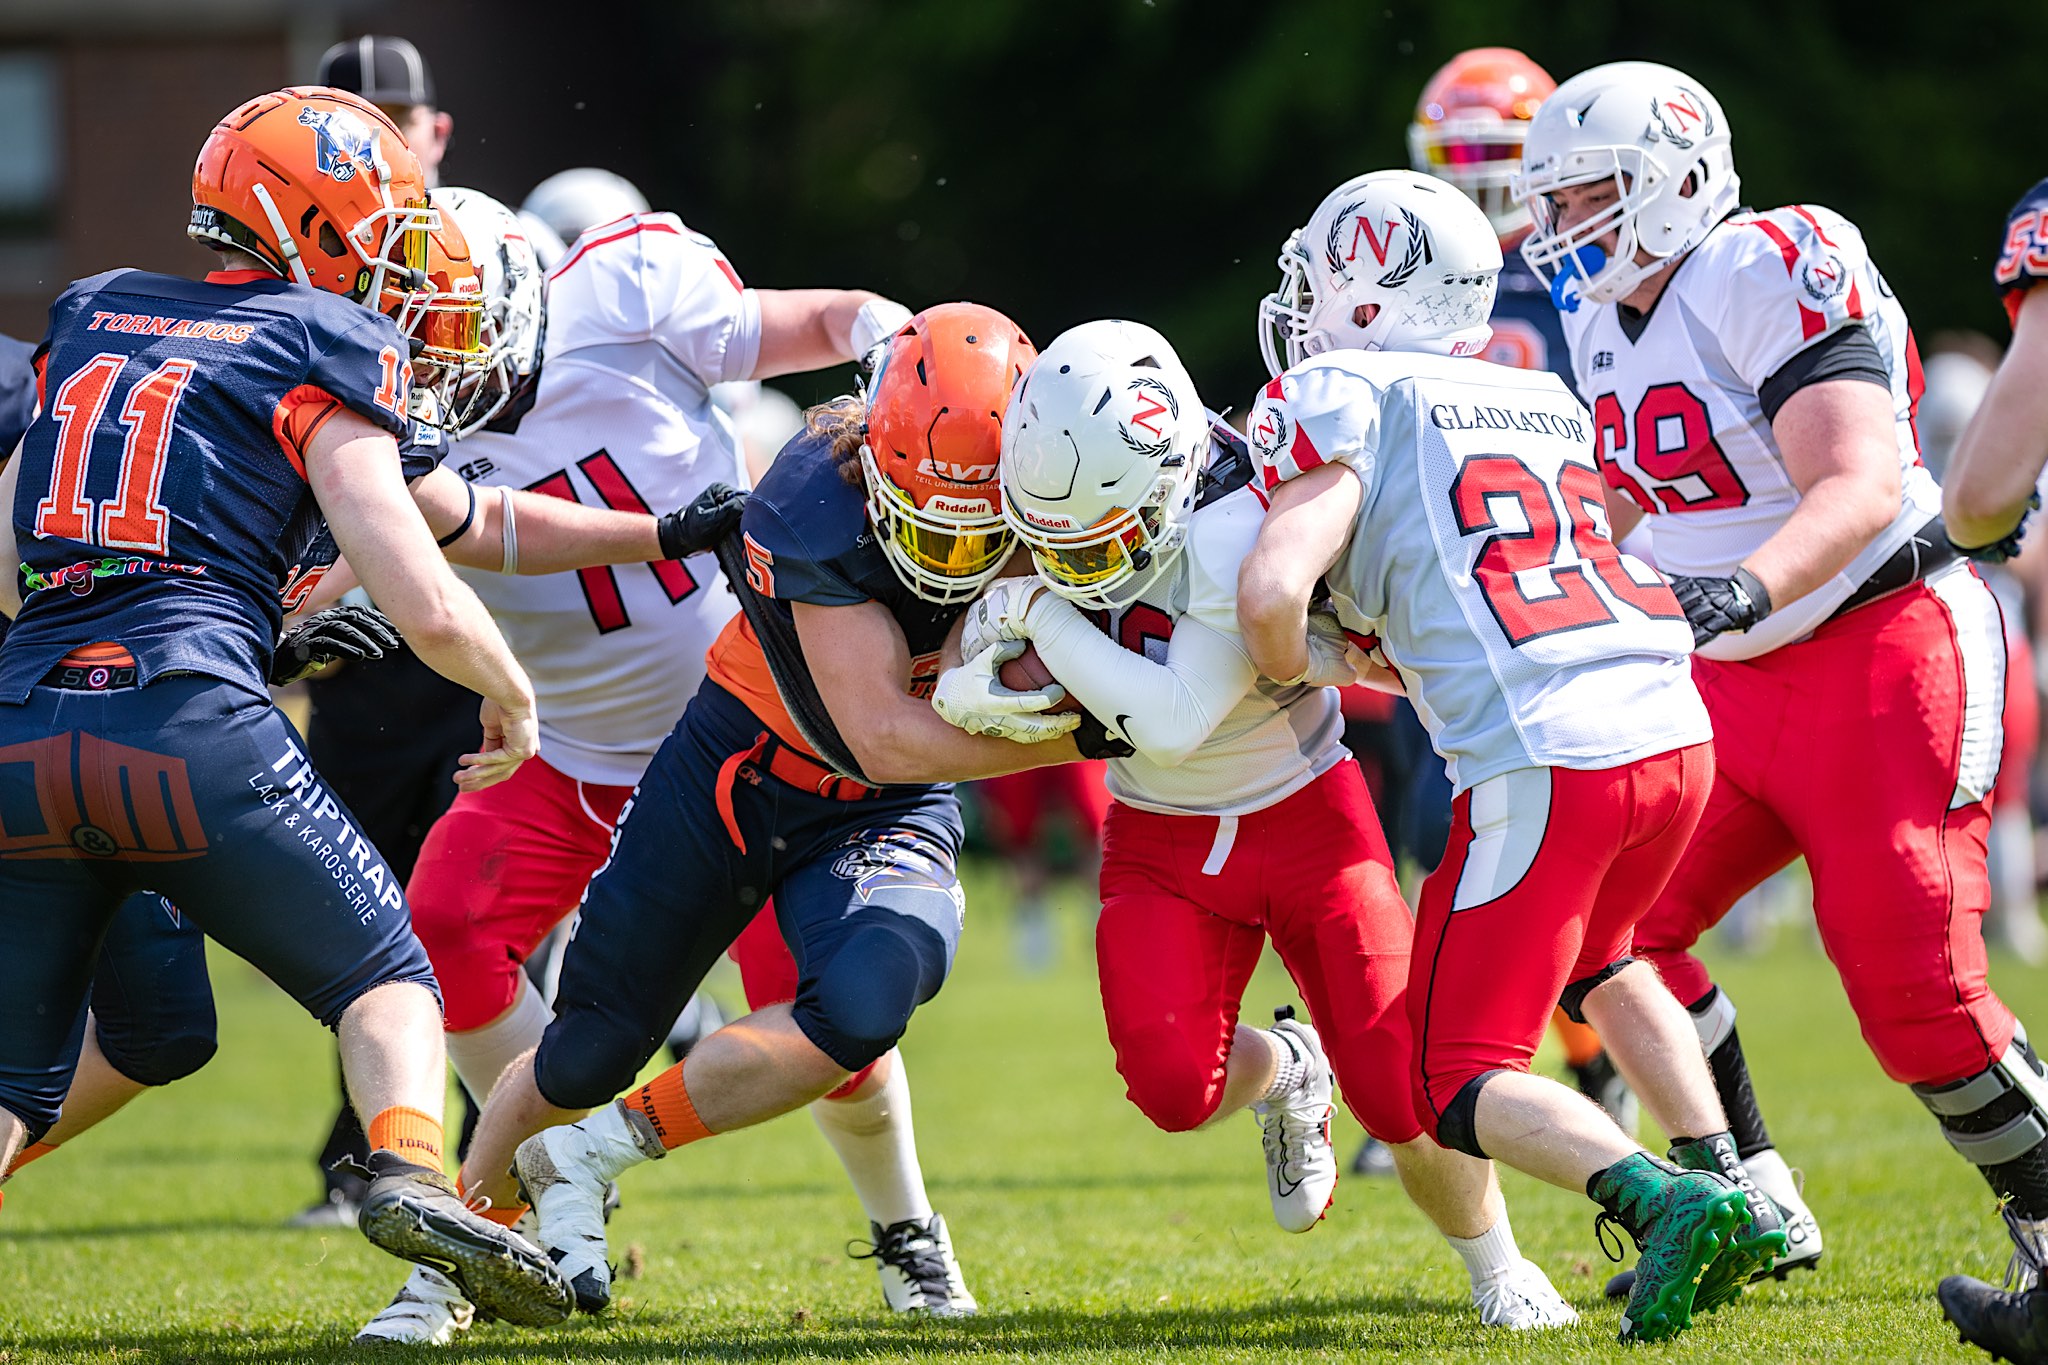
<point x="344" y="632"/>
<point x="1998" y="551"/>
<point x="710" y="517"/>
<point x="1716" y="605"/>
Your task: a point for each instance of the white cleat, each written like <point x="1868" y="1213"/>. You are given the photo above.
<point x="919" y="1272"/>
<point x="429" y="1311"/>
<point x="1521" y="1298"/>
<point x="564" y="1172"/>
<point x="1301" y="1165"/>
<point x="1802" y="1233"/>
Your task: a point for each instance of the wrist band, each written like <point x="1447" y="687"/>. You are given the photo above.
<point x="468" y="518"/>
<point x="511" y="525"/>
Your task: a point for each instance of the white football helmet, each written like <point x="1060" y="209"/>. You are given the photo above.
<point x="574" y="201"/>
<point x="1409" y="246"/>
<point x="1663" y="139"/>
<point x="513" y="321"/>
<point x="1102" y="444"/>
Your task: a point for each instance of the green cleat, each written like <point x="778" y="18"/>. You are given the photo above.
<point x="1754" y="1245"/>
<point x="1680" y="1221"/>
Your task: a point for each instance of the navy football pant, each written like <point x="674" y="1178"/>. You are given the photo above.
<point x="152" y="1001"/>
<point x="865" y="893"/>
<point x="199" y="790"/>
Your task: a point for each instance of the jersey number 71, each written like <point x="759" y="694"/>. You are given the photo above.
<point x="135" y="518"/>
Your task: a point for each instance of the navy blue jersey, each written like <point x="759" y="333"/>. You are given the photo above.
<point x="162" y="504"/>
<point x="1526" y="331"/>
<point x="17" y="392"/>
<point x="807" y="539"/>
<point x="2023" y="254"/>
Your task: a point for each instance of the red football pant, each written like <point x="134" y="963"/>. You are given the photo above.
<point x="1546" y="873"/>
<point x="505" y="865"/>
<point x="1188" y="902"/>
<point x="1868" y="748"/>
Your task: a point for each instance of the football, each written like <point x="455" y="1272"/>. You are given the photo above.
<point x="1026" y="672"/>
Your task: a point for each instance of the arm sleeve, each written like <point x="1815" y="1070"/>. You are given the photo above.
<point x="1797" y="277"/>
<point x="1847" y="354"/>
<point x="1165" y="710"/>
<point x="697" y="308"/>
<point x="1309" y="416"/>
<point x="2023" y="255"/>
<point x="782" y="566"/>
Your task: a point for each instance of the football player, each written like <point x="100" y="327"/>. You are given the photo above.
<point x="1453" y="509"/>
<point x="1468" y="130"/>
<point x="1240" y="816"/>
<point x="1986" y="499"/>
<point x="807" y="767"/>
<point x="1753" y="381"/>
<point x="596" y="391"/>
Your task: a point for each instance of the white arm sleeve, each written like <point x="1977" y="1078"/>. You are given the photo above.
<point x="1165" y="710"/>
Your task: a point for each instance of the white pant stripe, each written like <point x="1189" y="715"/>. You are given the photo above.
<point x="1219" y="852"/>
<point x="1980" y="639"/>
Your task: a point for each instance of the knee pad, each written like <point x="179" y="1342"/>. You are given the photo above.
<point x="171" y="1057"/>
<point x="859" y="1004"/>
<point x="586" y="1060"/>
<point x="1997" y="1120"/>
<point x="1573" y="1000"/>
<point x="1458" y="1128"/>
<point x="1176" y="1091"/>
<point x="1713" y="1017"/>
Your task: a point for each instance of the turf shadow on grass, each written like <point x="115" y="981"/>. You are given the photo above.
<point x="1399" y="1325"/>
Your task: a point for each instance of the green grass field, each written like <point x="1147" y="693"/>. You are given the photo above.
<point x="1085" y="1233"/>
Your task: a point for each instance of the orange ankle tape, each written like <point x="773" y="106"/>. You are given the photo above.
<point x="412" y="1133"/>
<point x="667" y="1106"/>
<point x="33" y="1152"/>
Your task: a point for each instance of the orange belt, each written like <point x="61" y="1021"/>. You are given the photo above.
<point x="785" y="764"/>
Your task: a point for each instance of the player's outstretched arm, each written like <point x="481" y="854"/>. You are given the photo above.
<point x="1839" y="440"/>
<point x="1993" y="473"/>
<point x="1308" y="523"/>
<point x="809" y="329"/>
<point x="353" y="470"/>
<point x="541" y="535"/>
<point x="861" y="665"/>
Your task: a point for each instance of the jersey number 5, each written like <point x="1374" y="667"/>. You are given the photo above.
<point x="601" y="585"/>
<point x="1529" y="589"/>
<point x="135" y="518"/>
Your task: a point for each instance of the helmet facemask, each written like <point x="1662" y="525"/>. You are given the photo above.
<point x="942" y="556"/>
<point x="1108" y="566"/>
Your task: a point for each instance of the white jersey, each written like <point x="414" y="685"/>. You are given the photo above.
<point x="1213" y="738"/>
<point x="1481" y="561"/>
<point x="643" y="317"/>
<point x="1682" y="400"/>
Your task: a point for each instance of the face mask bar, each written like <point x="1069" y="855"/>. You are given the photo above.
<point x="940" y="557"/>
<point x="1108" y="565"/>
<point x="1284" y="313"/>
<point x="1567" y="259"/>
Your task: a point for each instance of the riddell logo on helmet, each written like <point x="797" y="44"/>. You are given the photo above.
<point x="343" y="142"/>
<point x="965" y="507"/>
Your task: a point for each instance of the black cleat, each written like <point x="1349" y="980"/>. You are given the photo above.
<point x="2011" y="1326"/>
<point x="414" y="1213"/>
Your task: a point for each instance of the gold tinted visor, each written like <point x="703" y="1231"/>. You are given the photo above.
<point x="1101" y="554"/>
<point x="944" y="550"/>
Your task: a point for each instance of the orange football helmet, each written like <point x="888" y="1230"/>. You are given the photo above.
<point x="934" y="439"/>
<point x="1470" y="125"/>
<point x="444" y="324"/>
<point x="320" y="187"/>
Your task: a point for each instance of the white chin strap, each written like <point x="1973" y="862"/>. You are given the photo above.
<point x="286" y="247"/>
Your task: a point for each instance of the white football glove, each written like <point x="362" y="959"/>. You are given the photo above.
<point x="973" y="698"/>
<point x="998" y="615"/>
<point x="1332" y="658"/>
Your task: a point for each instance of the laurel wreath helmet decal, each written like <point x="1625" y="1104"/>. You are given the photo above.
<point x="1421" y="251"/>
<point x="1150" y="437"/>
<point x="1674" y="133"/>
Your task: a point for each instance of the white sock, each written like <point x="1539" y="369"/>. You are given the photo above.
<point x="1290" y="1066"/>
<point x="877" y="1144"/>
<point x="480" y="1055"/>
<point x="1491" y="1253"/>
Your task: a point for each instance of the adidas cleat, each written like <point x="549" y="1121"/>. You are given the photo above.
<point x="414" y="1213"/>
<point x="919" y="1272"/>
<point x="1301" y="1165"/>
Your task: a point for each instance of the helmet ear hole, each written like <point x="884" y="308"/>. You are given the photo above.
<point x="330" y="240"/>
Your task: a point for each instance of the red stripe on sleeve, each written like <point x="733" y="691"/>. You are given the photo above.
<point x="1811" y="324"/>
<point x="299" y="415"/>
<point x="633" y="230"/>
<point x="725" y="269"/>
<point x="1818" y="231"/>
<point x="1785" y="246"/>
<point x="1303" y="451"/>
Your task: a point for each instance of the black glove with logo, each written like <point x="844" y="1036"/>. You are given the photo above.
<point x="710" y="517"/>
<point x="343" y="632"/>
<point x="1716" y="605"/>
<point x="1998" y="551"/>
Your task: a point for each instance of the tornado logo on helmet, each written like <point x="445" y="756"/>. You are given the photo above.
<point x="343" y="142"/>
<point x="1149" y="428"/>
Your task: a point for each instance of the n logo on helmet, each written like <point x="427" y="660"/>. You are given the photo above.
<point x="343" y="142"/>
<point x="1379" y="243"/>
<point x="1155" y="400"/>
<point x="1682" y="118"/>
